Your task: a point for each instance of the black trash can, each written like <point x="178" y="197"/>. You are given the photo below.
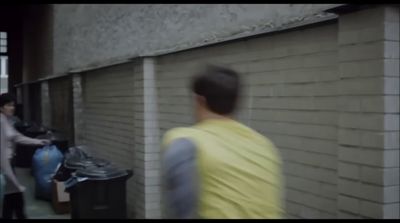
<point x="74" y="159"/>
<point x="35" y="131"/>
<point x="22" y="126"/>
<point x="24" y="155"/>
<point x="98" y="192"/>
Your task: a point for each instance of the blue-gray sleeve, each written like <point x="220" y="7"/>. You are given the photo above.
<point x="181" y="179"/>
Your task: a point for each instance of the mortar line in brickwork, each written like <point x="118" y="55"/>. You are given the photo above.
<point x="367" y="165"/>
<point x="294" y="122"/>
<point x="307" y="137"/>
<point x="381" y="76"/>
<point x="363" y="60"/>
<point x="314" y="208"/>
<point x="364" y="199"/>
<point x="368" y="42"/>
<point x="312" y="193"/>
<point x="312" y="153"/>
<point x="368" y="130"/>
<point x="336" y="96"/>
<point x="367" y="183"/>
<point x="313" y="166"/>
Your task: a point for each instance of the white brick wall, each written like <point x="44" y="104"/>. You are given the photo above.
<point x="61" y="106"/>
<point x="77" y="99"/>
<point x="147" y="148"/>
<point x="107" y="117"/>
<point x="45" y="100"/>
<point x="290" y="95"/>
<point x="327" y="96"/>
<point x="369" y="114"/>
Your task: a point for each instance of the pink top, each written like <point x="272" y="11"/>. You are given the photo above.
<point x="9" y="137"/>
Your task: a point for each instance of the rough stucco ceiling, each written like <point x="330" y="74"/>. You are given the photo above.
<point x="87" y="36"/>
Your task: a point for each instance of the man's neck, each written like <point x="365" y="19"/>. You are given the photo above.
<point x="211" y="115"/>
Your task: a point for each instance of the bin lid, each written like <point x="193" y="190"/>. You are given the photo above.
<point x="36" y="128"/>
<point x="53" y="136"/>
<point x="23" y="124"/>
<point x="101" y="172"/>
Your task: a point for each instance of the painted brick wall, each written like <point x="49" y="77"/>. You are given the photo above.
<point x="108" y="115"/>
<point x="77" y="103"/>
<point x="290" y="95"/>
<point x="147" y="149"/>
<point x="368" y="136"/>
<point x="327" y="95"/>
<point x="46" y="112"/>
<point x="61" y="106"/>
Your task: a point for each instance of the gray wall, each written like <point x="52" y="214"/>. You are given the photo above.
<point x="91" y="35"/>
<point x="37" y="42"/>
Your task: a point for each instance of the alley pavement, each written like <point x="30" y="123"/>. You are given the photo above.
<point x="36" y="209"/>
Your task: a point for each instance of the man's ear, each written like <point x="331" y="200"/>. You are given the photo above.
<point x="201" y="100"/>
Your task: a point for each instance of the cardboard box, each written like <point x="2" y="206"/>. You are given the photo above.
<point x="60" y="199"/>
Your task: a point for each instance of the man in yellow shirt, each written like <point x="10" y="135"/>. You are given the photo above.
<point x="220" y="168"/>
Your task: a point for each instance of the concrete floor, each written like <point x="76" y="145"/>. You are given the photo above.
<point x="36" y="209"/>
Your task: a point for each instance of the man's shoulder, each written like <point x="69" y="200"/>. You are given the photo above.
<point x="265" y="142"/>
<point x="179" y="132"/>
<point x="181" y="147"/>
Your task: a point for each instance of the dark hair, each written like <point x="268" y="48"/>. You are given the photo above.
<point x="6" y="98"/>
<point x="220" y="86"/>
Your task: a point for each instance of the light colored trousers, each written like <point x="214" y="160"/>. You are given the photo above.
<point x="2" y="187"/>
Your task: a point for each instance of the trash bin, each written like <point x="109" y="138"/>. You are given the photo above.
<point x="22" y="126"/>
<point x="98" y="192"/>
<point x="73" y="159"/>
<point x="35" y="130"/>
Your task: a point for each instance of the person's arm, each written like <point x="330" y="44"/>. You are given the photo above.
<point x="5" y="164"/>
<point x="21" y="139"/>
<point x="181" y="179"/>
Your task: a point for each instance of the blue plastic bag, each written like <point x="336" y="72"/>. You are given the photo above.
<point x="44" y="164"/>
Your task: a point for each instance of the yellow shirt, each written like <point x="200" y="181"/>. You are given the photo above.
<point x="239" y="170"/>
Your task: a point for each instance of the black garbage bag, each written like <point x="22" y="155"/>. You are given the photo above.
<point x="21" y="126"/>
<point x="35" y="130"/>
<point x="78" y="158"/>
<point x="56" y="138"/>
<point x="62" y="173"/>
<point x="77" y="152"/>
<point x="74" y="159"/>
